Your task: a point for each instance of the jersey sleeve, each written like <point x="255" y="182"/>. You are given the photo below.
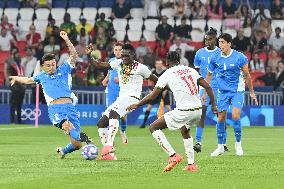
<point x="114" y="64"/>
<point x="37" y="78"/>
<point x="243" y="60"/>
<point x="197" y="61"/>
<point x="162" y="81"/>
<point x="66" y="67"/>
<point x="144" y="71"/>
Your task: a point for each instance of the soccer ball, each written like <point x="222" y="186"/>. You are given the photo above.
<point x="90" y="152"/>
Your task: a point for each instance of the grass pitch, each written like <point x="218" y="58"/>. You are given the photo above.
<point x="28" y="160"/>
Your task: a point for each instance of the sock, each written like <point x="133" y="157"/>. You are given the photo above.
<point x="199" y="132"/>
<point x="123" y="123"/>
<point x="220" y="131"/>
<point x="237" y="130"/>
<point x="103" y="135"/>
<point x="69" y="148"/>
<point x="147" y="113"/>
<point x="75" y="134"/>
<point x="225" y="136"/>
<point x="112" y="130"/>
<point x="188" y="146"/>
<point x="163" y="142"/>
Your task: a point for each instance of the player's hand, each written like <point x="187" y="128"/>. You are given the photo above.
<point x="215" y="109"/>
<point x="131" y="107"/>
<point x="12" y="80"/>
<point x="89" y="48"/>
<point x="252" y="95"/>
<point x="64" y="35"/>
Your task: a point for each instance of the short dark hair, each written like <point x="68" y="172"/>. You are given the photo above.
<point x="211" y="31"/>
<point x="47" y="57"/>
<point x="118" y="44"/>
<point x="173" y="57"/>
<point x="227" y="37"/>
<point x="128" y="47"/>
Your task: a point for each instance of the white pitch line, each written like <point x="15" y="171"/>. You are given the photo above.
<point x="15" y="128"/>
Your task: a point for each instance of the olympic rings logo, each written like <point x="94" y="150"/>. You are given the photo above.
<point x="29" y="114"/>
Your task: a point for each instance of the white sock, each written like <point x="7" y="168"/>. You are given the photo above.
<point x="112" y="130"/>
<point x="163" y="142"/>
<point x="103" y="135"/>
<point x="188" y="146"/>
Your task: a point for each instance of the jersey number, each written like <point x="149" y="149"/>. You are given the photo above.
<point x="190" y="83"/>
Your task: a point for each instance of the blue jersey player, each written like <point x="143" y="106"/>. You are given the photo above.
<point x="57" y="84"/>
<point x="232" y="73"/>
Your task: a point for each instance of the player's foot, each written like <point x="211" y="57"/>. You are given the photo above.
<point x="239" y="149"/>
<point x="219" y="151"/>
<point x="123" y="137"/>
<point x="191" y="167"/>
<point x="108" y="157"/>
<point x="60" y="152"/>
<point x="197" y="147"/>
<point x="107" y="149"/>
<point x="226" y="149"/>
<point x="172" y="162"/>
<point x="84" y="138"/>
<point x="142" y="126"/>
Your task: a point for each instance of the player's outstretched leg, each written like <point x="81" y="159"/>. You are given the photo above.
<point x="123" y="125"/>
<point x="188" y="146"/>
<point x="199" y="130"/>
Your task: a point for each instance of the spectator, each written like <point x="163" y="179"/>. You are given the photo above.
<point x="44" y="4"/>
<point x="183" y="60"/>
<point x="167" y="4"/>
<point x="183" y="30"/>
<point x="268" y="78"/>
<point x="69" y="27"/>
<point x="276" y="42"/>
<point x="215" y="10"/>
<point x="244" y="11"/>
<point x="229" y="9"/>
<point x="260" y="15"/>
<point x="151" y="8"/>
<point x="247" y="23"/>
<point x="198" y="10"/>
<point x="164" y="30"/>
<point x="50" y="27"/>
<point x="81" y="49"/>
<point x="273" y="61"/>
<point x="83" y="24"/>
<point x="101" y="38"/>
<point x="183" y="46"/>
<point x="240" y="42"/>
<point x="17" y="90"/>
<point x="120" y="9"/>
<point x="102" y="22"/>
<point x="180" y="8"/>
<point x="162" y="50"/>
<point x="279" y="82"/>
<point x="265" y="26"/>
<point x="6" y="40"/>
<point x="256" y="64"/>
<point x="5" y="24"/>
<point x="33" y="38"/>
<point x="277" y="10"/>
<point x="150" y="58"/>
<point x="52" y="47"/>
<point x="141" y="50"/>
<point x="259" y="42"/>
<point x="28" y="63"/>
<point x="83" y="33"/>
<point x="39" y="51"/>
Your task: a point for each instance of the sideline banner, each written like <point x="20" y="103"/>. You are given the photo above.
<point x="90" y="114"/>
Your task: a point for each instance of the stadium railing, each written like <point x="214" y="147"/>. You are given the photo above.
<point x="98" y="97"/>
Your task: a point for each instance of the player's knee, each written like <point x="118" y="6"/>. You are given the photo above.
<point x="113" y="115"/>
<point x="103" y="122"/>
<point x="184" y="132"/>
<point x="235" y="117"/>
<point x="152" y="128"/>
<point x="77" y="144"/>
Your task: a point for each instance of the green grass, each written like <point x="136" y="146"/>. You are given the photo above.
<point x="28" y="160"/>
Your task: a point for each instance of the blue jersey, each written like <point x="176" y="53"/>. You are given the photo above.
<point x="229" y="75"/>
<point x="58" y="84"/>
<point x="112" y="86"/>
<point x="202" y="60"/>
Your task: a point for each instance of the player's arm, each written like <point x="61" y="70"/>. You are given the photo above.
<point x="73" y="55"/>
<point x="23" y="80"/>
<point x="248" y="80"/>
<point x="210" y="93"/>
<point x="105" y="81"/>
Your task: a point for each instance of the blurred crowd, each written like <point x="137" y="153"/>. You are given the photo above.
<point x="262" y="43"/>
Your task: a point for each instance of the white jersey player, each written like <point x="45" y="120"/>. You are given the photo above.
<point x="131" y="75"/>
<point x="182" y="81"/>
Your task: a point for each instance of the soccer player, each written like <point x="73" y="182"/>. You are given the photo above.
<point x="158" y="71"/>
<point x="56" y="83"/>
<point x="131" y="74"/>
<point x="112" y="89"/>
<point x="201" y="61"/>
<point x="232" y="71"/>
<point x="182" y="81"/>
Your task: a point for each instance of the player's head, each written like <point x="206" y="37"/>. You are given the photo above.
<point x="210" y="37"/>
<point x="117" y="49"/>
<point x="48" y="63"/>
<point x="159" y="64"/>
<point x="128" y="54"/>
<point x="225" y="42"/>
<point x="173" y="58"/>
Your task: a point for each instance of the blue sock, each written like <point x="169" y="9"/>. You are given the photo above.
<point x="69" y="148"/>
<point x="225" y="136"/>
<point x="123" y="124"/>
<point x="220" y="131"/>
<point x="237" y="129"/>
<point x="199" y="132"/>
<point x="75" y="134"/>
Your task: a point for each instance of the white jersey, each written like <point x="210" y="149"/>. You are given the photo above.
<point x="182" y="80"/>
<point x="131" y="83"/>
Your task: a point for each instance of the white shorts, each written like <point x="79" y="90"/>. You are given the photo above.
<point x="176" y="119"/>
<point x="120" y="105"/>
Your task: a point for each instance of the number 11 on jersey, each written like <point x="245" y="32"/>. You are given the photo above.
<point x="190" y="83"/>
